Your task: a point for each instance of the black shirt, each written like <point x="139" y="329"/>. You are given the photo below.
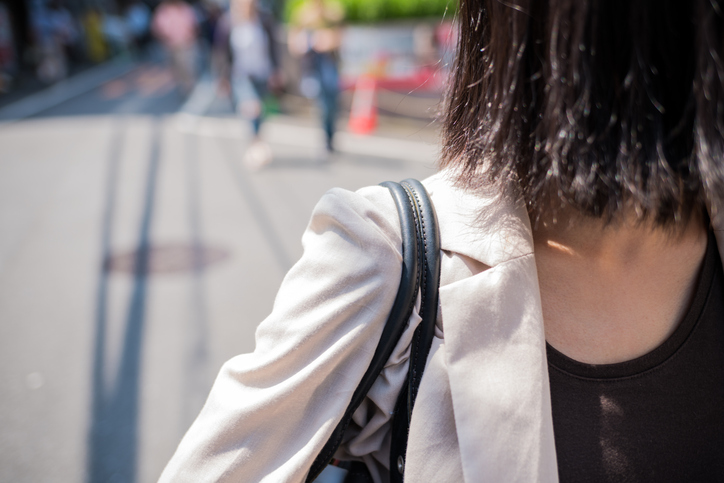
<point x="656" y="418"/>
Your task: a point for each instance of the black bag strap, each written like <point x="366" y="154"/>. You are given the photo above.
<point x="428" y="240"/>
<point x="420" y="271"/>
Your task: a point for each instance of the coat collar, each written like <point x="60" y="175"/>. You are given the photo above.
<point x="494" y="340"/>
<point x="485" y="227"/>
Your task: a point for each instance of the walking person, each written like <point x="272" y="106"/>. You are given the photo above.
<point x="315" y="37"/>
<point x="8" y="54"/>
<point x="174" y="24"/>
<point x="55" y="33"/>
<point x="138" y="19"/>
<point x="579" y="334"/>
<point x="246" y="46"/>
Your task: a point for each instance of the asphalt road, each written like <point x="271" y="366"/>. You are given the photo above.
<point x="137" y="254"/>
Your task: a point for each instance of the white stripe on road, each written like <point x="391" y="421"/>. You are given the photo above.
<point x="201" y="97"/>
<point x="65" y="90"/>
<point x="189" y="116"/>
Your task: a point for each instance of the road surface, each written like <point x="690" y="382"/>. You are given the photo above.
<point x="137" y="254"/>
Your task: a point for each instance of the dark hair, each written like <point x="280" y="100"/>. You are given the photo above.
<point x="598" y="103"/>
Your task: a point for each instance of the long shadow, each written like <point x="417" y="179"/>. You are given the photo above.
<point x="98" y="429"/>
<point x="197" y="383"/>
<point x="113" y="438"/>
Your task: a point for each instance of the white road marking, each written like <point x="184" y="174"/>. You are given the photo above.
<point x="65" y="90"/>
<point x="201" y="97"/>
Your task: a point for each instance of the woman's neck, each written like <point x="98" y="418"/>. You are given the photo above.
<point x="611" y="293"/>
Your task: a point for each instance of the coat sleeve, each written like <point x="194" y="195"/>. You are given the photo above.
<point x="270" y="412"/>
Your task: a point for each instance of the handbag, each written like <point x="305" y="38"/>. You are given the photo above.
<point x="420" y="272"/>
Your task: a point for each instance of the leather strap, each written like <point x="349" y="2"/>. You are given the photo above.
<point x="428" y="239"/>
<point x="420" y="272"/>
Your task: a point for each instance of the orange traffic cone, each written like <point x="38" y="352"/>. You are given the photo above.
<point x="363" y="115"/>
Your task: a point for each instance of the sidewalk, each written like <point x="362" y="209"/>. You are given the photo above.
<point x="397" y="136"/>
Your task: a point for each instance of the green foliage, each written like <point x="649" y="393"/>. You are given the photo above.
<point x="365" y="11"/>
<point x="290" y="7"/>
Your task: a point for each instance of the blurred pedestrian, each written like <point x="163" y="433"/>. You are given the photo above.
<point x="95" y="41"/>
<point x="174" y="24"/>
<point x="55" y="33"/>
<point x="116" y="31"/>
<point x="205" y="28"/>
<point x="246" y="35"/>
<point x="8" y="57"/>
<point x="138" y="21"/>
<point x="212" y="14"/>
<point x="315" y="36"/>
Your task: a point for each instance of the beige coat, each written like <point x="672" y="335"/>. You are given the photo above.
<point x="483" y="413"/>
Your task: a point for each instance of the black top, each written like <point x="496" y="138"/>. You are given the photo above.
<point x="656" y="418"/>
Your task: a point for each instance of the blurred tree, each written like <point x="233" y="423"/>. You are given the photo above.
<point x="365" y="11"/>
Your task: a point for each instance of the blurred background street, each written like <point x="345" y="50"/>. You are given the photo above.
<point x="139" y="246"/>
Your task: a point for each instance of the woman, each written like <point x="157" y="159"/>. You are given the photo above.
<point x="315" y="37"/>
<point x="174" y="24"/>
<point x="246" y="38"/>
<point x="581" y="319"/>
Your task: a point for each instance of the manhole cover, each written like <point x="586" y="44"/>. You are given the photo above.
<point x="168" y="258"/>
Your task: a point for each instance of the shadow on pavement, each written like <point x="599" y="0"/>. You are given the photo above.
<point x="113" y="438"/>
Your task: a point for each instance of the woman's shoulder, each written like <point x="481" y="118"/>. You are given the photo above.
<point x="364" y="218"/>
<point x="375" y="203"/>
<point x="372" y="209"/>
<point x="483" y="225"/>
